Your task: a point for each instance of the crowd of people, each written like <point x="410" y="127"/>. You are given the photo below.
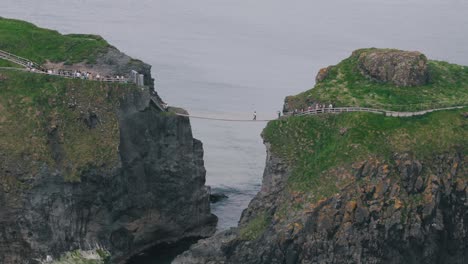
<point x="312" y="107"/>
<point x="85" y="75"/>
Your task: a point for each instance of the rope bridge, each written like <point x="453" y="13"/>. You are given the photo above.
<point x="224" y="119"/>
<point x="156" y="99"/>
<point x="334" y="110"/>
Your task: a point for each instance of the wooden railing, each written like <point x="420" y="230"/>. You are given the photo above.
<point x="15" y="59"/>
<point x="33" y="67"/>
<point x="369" y="110"/>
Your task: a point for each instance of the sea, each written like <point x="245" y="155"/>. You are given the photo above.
<point x="229" y="58"/>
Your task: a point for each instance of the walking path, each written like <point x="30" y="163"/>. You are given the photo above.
<point x="30" y="66"/>
<point x="156" y="99"/>
<point x="15" y="59"/>
<point x="373" y="110"/>
<point x="34" y="67"/>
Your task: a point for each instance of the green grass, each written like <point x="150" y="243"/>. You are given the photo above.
<point x="79" y="257"/>
<point x="316" y="147"/>
<point x="32" y="106"/>
<point x="325" y="152"/>
<point x="255" y="227"/>
<point x="38" y="44"/>
<point x="346" y="86"/>
<point x="5" y="63"/>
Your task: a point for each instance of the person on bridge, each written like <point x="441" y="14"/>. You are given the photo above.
<point x="255" y="115"/>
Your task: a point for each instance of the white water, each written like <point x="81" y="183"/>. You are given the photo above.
<point x="231" y="57"/>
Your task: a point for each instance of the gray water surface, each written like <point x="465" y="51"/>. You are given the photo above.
<point x="230" y="57"/>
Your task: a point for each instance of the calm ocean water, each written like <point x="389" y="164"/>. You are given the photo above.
<point x="227" y="58"/>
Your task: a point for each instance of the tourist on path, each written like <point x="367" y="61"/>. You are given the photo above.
<point x="255" y="115"/>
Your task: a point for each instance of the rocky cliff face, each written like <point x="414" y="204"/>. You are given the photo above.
<point x="401" y="68"/>
<point x="155" y="193"/>
<point x="400" y="211"/>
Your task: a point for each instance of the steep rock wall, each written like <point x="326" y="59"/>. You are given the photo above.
<point x="400" y="211"/>
<point x="155" y="194"/>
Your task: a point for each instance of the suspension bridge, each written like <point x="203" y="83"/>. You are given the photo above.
<point x="137" y="78"/>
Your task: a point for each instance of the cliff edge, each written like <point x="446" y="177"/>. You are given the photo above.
<point x="93" y="166"/>
<point x="358" y="187"/>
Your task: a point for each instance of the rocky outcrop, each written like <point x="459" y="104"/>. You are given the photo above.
<point x="322" y="74"/>
<point x="401" y="211"/>
<point x="155" y="193"/>
<point x="274" y="181"/>
<point x="109" y="62"/>
<point x="401" y="68"/>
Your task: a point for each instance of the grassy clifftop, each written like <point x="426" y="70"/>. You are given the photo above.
<point x="38" y="44"/>
<point x="65" y="123"/>
<point x="345" y="85"/>
<point x="320" y="148"/>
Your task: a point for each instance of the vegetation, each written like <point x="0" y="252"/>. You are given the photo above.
<point x="43" y="119"/>
<point x="317" y="146"/>
<point x="255" y="227"/>
<point x="39" y="45"/>
<point x="5" y="63"/>
<point x="346" y="86"/>
<point x="98" y="256"/>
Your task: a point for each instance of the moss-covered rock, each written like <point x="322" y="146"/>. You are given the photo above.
<point x="401" y="68"/>
<point x="375" y="78"/>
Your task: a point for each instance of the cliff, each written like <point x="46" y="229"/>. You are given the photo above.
<point x="91" y="165"/>
<point x="386" y="79"/>
<point x="356" y="187"/>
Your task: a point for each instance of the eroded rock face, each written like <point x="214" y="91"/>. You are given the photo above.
<point x="156" y="194"/>
<point x="403" y="211"/>
<point x="322" y="74"/>
<point x="401" y="68"/>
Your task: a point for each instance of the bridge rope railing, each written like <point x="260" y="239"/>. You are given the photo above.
<point x="335" y="110"/>
<point x="157" y="100"/>
<point x="223" y="119"/>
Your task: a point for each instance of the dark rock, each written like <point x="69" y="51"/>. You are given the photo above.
<point x="343" y="130"/>
<point x="217" y="197"/>
<point x="322" y="74"/>
<point x="114" y="62"/>
<point x="156" y="194"/>
<point x="91" y="120"/>
<point x="382" y="221"/>
<point x="401" y="68"/>
<point x="419" y="184"/>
